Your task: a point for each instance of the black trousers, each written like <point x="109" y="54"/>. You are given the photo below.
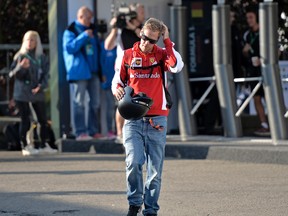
<point x="25" y="114"/>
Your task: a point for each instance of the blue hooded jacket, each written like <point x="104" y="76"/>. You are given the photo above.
<point x="80" y="52"/>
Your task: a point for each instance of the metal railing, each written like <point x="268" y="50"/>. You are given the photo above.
<point x="251" y="95"/>
<point x="212" y="79"/>
<point x="205" y="94"/>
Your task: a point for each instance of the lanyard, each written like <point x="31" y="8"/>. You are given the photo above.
<point x="253" y="38"/>
<point x="34" y="61"/>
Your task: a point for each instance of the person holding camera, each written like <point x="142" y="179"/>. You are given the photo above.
<point x="124" y="33"/>
<point x="142" y="69"/>
<point x="81" y="52"/>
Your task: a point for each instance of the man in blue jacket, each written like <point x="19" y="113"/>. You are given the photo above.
<point x="81" y="54"/>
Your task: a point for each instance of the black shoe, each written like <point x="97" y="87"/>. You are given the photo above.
<point x="133" y="210"/>
<point x="151" y="215"/>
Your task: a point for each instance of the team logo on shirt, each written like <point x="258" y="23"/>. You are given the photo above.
<point x="136" y="62"/>
<point x="152" y="60"/>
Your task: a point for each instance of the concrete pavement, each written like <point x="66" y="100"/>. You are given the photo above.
<point x="244" y="149"/>
<point x="94" y="184"/>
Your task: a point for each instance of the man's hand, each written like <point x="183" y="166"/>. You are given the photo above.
<point x="119" y="94"/>
<point x="165" y="33"/>
<point x="113" y="22"/>
<point x="246" y="49"/>
<point x="90" y="33"/>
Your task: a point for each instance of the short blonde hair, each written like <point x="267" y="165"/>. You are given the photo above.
<point x="154" y="25"/>
<point x="23" y="50"/>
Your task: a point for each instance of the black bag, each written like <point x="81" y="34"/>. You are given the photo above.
<point x="167" y="94"/>
<point x="168" y="98"/>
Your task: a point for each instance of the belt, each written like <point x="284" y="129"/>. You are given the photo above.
<point x="148" y="116"/>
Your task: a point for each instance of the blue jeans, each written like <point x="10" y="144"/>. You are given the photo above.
<point x="92" y="86"/>
<point x="109" y="109"/>
<point x="143" y="143"/>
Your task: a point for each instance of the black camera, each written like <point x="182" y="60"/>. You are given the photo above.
<point x="101" y="26"/>
<point x="124" y="14"/>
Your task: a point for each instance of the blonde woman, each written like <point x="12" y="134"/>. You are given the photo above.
<point x="30" y="69"/>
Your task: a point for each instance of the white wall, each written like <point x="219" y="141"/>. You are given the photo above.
<point x="73" y="7"/>
<point x="158" y="9"/>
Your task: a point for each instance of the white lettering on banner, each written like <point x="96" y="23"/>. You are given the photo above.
<point x="145" y="76"/>
<point x="192" y="49"/>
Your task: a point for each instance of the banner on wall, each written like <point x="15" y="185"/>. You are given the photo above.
<point x="199" y="21"/>
<point x="284" y="75"/>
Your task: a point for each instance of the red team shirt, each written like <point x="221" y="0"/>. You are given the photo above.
<point x="143" y="78"/>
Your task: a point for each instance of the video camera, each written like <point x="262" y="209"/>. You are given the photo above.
<point x="101" y="26"/>
<point x="124" y="14"/>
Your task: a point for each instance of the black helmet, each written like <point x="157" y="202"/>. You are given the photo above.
<point x="133" y="107"/>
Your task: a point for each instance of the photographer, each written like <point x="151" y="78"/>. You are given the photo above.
<point x="124" y="36"/>
<point x="81" y="53"/>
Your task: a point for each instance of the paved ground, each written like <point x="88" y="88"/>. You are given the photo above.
<point x="244" y="149"/>
<point x="93" y="184"/>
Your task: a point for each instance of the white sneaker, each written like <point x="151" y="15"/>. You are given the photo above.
<point x="29" y="150"/>
<point x="119" y="139"/>
<point x="47" y="150"/>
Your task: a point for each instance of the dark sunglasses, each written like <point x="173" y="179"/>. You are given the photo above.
<point x="145" y="38"/>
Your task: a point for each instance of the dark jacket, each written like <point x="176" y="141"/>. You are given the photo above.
<point x="27" y="79"/>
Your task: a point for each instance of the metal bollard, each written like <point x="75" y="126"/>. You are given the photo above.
<point x="268" y="20"/>
<point x="187" y="123"/>
<point x="223" y="69"/>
